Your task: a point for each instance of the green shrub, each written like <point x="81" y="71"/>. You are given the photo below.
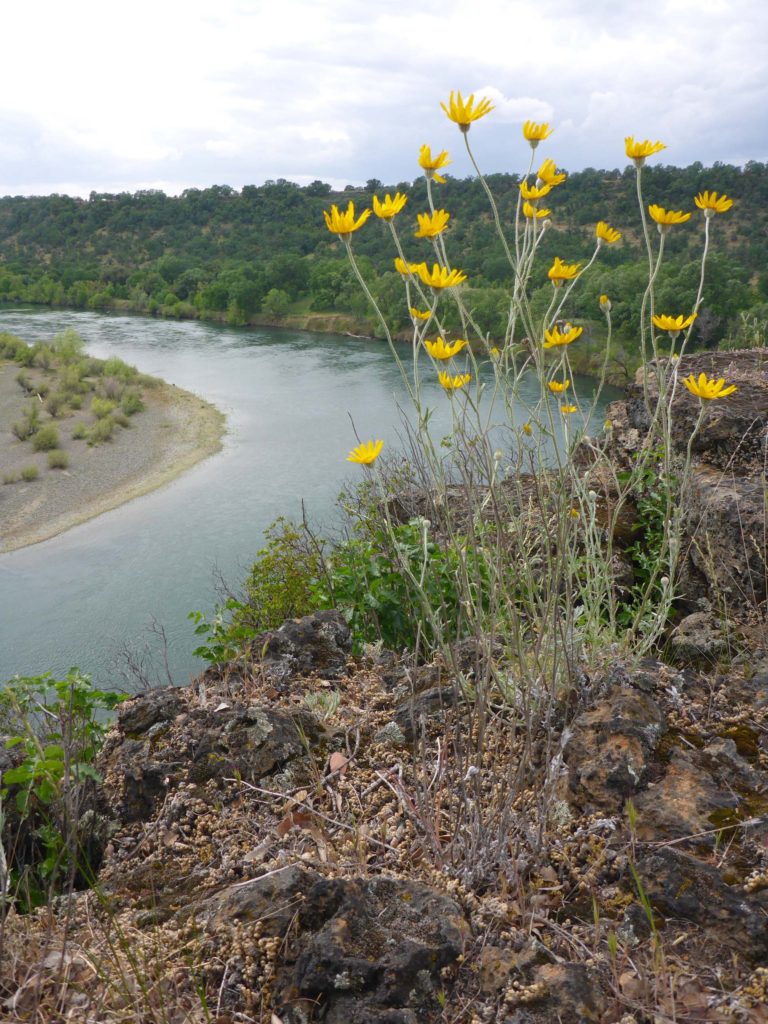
<point x="112" y="388"/>
<point x="56" y="728"/>
<point x="29" y="423"/>
<point x="57" y="459"/>
<point x="24" y="382"/>
<point x="371" y="580"/>
<point x="69" y="346"/>
<point x="70" y="379"/>
<point x="90" y="367"/>
<point x="101" y="431"/>
<point x="11" y="347"/>
<point x="30" y="473"/>
<point x="10" y="478"/>
<point x="114" y="367"/>
<point x="101" y="407"/>
<point x="281" y="582"/>
<point x="121" y="419"/>
<point x="45" y="439"/>
<point x="43" y="355"/>
<point x="132" y="403"/>
<point x="25" y="356"/>
<point x="79" y="431"/>
<point x="75" y="401"/>
<point x="56" y="404"/>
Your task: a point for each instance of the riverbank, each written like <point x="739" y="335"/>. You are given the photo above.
<point x="176" y="430"/>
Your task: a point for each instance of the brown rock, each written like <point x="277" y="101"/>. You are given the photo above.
<point x="680" y="886"/>
<point x="608" y="751"/>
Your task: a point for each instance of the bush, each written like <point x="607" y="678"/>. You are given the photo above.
<point x="121" y="419"/>
<point x="29" y="423"/>
<point x="57" y="459"/>
<point x="56" y="404"/>
<point x="80" y="431"/>
<point x="370" y="579"/>
<point x="68" y="346"/>
<point x="112" y="388"/>
<point x="101" y="407"/>
<point x="101" y="431"/>
<point x="132" y="403"/>
<point x="10" y="478"/>
<point x="45" y="439"/>
<point x="43" y="356"/>
<point x="30" y="473"/>
<point x="56" y="728"/>
<point x="12" y="347"/>
<point x="24" y="382"/>
<point x="281" y="582"/>
<point x="114" y="367"/>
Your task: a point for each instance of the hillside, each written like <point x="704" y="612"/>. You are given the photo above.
<point x="222" y="254"/>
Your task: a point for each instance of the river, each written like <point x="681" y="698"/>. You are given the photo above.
<point x="290" y="398"/>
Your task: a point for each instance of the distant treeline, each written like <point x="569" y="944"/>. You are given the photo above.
<point x="222" y="254"/>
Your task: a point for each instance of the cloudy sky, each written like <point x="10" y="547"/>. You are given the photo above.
<point x="170" y="94"/>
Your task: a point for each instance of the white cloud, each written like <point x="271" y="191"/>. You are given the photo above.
<point x="107" y="96"/>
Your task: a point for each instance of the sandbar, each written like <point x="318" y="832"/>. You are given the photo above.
<point x="176" y="430"/>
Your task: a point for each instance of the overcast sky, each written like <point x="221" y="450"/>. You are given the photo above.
<point x="170" y="94"/>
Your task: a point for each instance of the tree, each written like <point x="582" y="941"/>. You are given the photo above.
<point x="276" y="302"/>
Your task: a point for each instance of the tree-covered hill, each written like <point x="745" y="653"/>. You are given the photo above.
<point x="225" y="254"/>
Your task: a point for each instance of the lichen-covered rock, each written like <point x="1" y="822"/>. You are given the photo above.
<point x="681" y="886"/>
<point x="171" y="742"/>
<point x="698" y="639"/>
<point x="724" y="549"/>
<point x="355" y="950"/>
<point x="684" y="802"/>
<point x="608" y="750"/>
<point x="733" y="433"/>
<point x="319" y="643"/>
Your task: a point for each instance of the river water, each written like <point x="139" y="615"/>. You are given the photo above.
<point x="290" y="398"/>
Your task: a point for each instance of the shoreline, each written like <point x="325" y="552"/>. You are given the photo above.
<point x="177" y="430"/>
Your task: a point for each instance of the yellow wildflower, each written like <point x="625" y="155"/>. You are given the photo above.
<point x="640" y="151"/>
<point x="527" y="429"/>
<point x="432" y="224"/>
<point x="406" y="269"/>
<point x="344" y="224"/>
<point x="390" y="207"/>
<point x="431" y="165"/>
<point x="441" y="349"/>
<point x="673" y="324"/>
<point x="556" y="337"/>
<point x="711" y="203"/>
<point x="531" y="212"/>
<point x="557" y="388"/>
<point x="574" y="512"/>
<point x="605" y="304"/>
<point x="536" y="133"/>
<point x="666" y="218"/>
<point x="439" y="277"/>
<point x="534" y="192"/>
<point x="366" y="453"/>
<point x="464" y="112"/>
<point x="605" y="233"/>
<point x="567" y="409"/>
<point x="452" y="383"/>
<point x="547" y="174"/>
<point x="495" y="353"/>
<point x="419" y="314"/>
<point x="708" y="388"/>
<point x="560" y="271"/>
